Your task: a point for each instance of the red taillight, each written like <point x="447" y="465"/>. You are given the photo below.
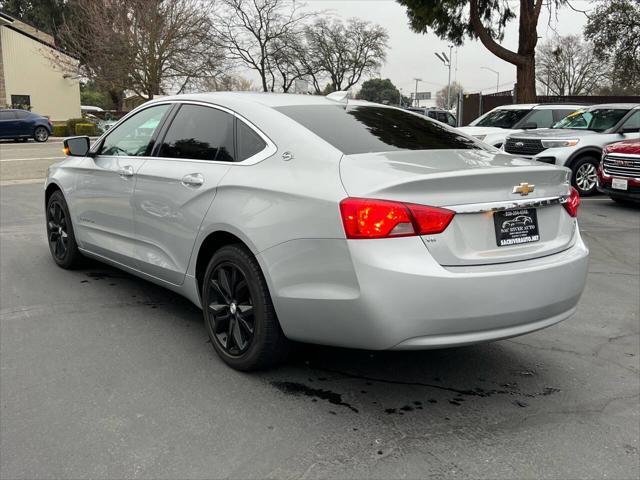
<point x="371" y="218"/>
<point x="573" y="202"/>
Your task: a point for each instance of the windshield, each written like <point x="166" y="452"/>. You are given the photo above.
<point x="362" y="129"/>
<point x="502" y="118"/>
<point x="598" y="120"/>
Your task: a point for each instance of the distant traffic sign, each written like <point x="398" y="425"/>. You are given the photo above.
<point x="421" y="95"/>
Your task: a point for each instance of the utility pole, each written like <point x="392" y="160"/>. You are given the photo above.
<point x="497" y="74"/>
<point x="415" y="99"/>
<point x="447" y="63"/>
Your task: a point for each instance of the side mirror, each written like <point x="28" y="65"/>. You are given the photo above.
<point x="76" y="146"/>
<point x="529" y="126"/>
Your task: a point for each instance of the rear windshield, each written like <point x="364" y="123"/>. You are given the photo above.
<point x="362" y="129"/>
<point x="599" y="120"/>
<point x="504" y="118"/>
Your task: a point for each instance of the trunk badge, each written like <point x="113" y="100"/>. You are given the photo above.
<point x="524" y="189"/>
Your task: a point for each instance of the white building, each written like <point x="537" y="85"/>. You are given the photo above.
<point x="30" y="76"/>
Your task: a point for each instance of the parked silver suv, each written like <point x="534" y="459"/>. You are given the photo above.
<point x="494" y="126"/>
<point x="577" y="140"/>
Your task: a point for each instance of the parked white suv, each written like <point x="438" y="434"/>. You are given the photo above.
<point x="494" y="126"/>
<point x="577" y="141"/>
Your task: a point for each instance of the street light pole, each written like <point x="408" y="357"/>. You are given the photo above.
<point x="497" y="75"/>
<point x="447" y="63"/>
<point x="415" y="99"/>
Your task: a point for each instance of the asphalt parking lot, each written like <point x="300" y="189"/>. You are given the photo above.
<point x="104" y="375"/>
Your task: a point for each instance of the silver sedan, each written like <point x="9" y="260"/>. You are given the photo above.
<point x="323" y="220"/>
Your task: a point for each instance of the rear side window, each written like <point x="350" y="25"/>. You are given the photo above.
<point x="199" y="133"/>
<point x="21" y="115"/>
<point x="362" y="129"/>
<point x="248" y="142"/>
<point x="7" y="115"/>
<point x="501" y="118"/>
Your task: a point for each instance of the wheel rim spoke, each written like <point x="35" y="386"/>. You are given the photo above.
<point x="218" y="291"/>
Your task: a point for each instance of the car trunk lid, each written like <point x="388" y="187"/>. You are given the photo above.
<point x="475" y="184"/>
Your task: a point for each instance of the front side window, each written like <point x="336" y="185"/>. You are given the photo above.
<point x="598" y="120"/>
<point x="133" y="137"/>
<point x="451" y="120"/>
<point x="561" y="113"/>
<point x="199" y="133"/>
<point x="502" y="118"/>
<point x="633" y="122"/>
<point x="542" y="118"/>
<point x="362" y="129"/>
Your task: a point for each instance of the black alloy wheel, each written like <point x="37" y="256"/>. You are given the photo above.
<point x="57" y="230"/>
<point x="238" y="313"/>
<point x="61" y="239"/>
<point x="231" y="309"/>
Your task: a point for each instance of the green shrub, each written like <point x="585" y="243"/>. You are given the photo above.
<point x="86" y="129"/>
<point x="59" y="131"/>
<point x="71" y="125"/>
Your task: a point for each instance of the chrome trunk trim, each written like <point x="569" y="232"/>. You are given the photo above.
<point x="508" y="204"/>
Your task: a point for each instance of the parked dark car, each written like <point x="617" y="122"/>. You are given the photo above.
<point x="23" y="125"/>
<point x="436" y="114"/>
<point x="619" y="171"/>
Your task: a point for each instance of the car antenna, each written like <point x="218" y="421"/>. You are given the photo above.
<point x="341" y="96"/>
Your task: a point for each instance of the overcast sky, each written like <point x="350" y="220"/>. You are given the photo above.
<point x="412" y="55"/>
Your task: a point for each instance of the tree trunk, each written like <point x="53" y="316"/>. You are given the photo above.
<point x="524" y="58"/>
<point x="526" y="78"/>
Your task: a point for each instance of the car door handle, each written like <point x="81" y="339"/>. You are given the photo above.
<point x="193" y="180"/>
<point x="126" y="171"/>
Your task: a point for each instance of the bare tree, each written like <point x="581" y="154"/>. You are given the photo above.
<point x="257" y="34"/>
<point x="441" y="96"/>
<point x="345" y="52"/>
<point x="228" y="83"/>
<point x="568" y="66"/>
<point x="147" y="46"/>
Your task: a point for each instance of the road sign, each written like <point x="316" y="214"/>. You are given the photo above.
<point x="421" y="95"/>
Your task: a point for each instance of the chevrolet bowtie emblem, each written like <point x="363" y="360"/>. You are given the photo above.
<point x="524" y="189"/>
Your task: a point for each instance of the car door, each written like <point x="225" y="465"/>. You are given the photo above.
<point x="8" y="124"/>
<point x="176" y="188"/>
<point x="102" y="199"/>
<point x="25" y="122"/>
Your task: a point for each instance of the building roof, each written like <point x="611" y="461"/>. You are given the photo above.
<point x="27" y="30"/>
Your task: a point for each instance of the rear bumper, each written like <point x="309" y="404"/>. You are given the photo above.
<point x="391" y="294"/>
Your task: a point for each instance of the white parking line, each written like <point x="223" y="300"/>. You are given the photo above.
<point x="30" y="159"/>
<point x="25" y="181"/>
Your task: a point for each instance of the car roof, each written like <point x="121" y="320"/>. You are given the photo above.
<point x="539" y="106"/>
<point x="268" y="99"/>
<point x="626" y="106"/>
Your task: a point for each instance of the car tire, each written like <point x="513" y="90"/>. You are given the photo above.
<point x="584" y="176"/>
<point x="60" y="236"/>
<point x="238" y="313"/>
<point x="40" y="134"/>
